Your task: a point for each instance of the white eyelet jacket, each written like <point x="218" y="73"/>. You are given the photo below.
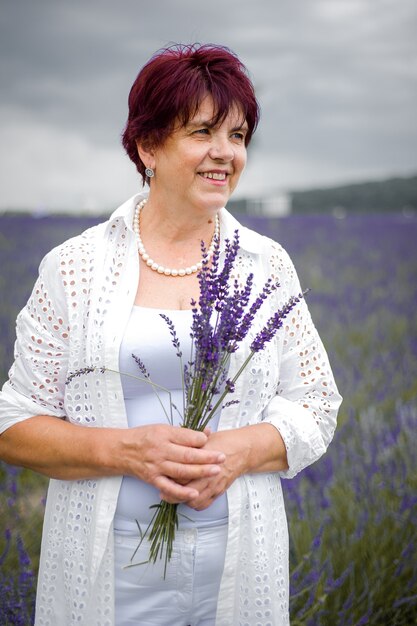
<point x="75" y="318"/>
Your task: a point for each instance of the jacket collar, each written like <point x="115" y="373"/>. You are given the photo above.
<point x="249" y="240"/>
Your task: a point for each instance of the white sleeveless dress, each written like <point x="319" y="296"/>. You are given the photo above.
<point x="187" y="594"/>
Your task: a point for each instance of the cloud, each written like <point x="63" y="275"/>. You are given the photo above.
<point x="336" y="80"/>
<point x="47" y="168"/>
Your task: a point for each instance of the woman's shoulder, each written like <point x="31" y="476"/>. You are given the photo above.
<point x="85" y="242"/>
<point x="277" y="260"/>
<point x="276" y="252"/>
<point x="80" y="255"/>
<point x="79" y="250"/>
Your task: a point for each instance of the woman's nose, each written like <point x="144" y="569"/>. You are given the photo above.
<point x="221" y="149"/>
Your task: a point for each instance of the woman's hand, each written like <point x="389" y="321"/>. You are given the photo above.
<point x="257" y="448"/>
<point x="165" y="456"/>
<point x="169" y="458"/>
<point x="233" y="444"/>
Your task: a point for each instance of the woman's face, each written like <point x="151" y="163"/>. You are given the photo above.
<point x="199" y="165"/>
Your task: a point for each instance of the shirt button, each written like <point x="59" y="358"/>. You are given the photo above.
<point x="189" y="536"/>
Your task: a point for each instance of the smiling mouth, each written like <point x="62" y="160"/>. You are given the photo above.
<point x="214" y="175"/>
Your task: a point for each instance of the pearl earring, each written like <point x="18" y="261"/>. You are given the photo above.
<point x="149" y="172"/>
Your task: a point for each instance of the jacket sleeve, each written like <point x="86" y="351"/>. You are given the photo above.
<point x="306" y="403"/>
<point x="37" y="377"/>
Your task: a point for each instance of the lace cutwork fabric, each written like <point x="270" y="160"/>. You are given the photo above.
<point x="75" y="318"/>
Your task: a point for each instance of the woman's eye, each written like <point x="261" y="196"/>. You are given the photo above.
<point x="239" y="136"/>
<point x="202" y="131"/>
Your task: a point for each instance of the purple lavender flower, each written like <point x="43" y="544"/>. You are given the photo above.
<point x="82" y="371"/>
<point x="231" y="311"/>
<point x="336" y="583"/>
<point x="219" y="325"/>
<point x="8" y="537"/>
<point x="274" y="323"/>
<point x="229" y="403"/>
<point x="365" y="618"/>
<point x="248" y="318"/>
<point x="187" y="376"/>
<point x="230" y="385"/>
<point x="173" y="333"/>
<point x="141" y="366"/>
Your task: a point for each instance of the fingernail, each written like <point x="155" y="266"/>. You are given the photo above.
<point x="221" y="457"/>
<point x="214" y="470"/>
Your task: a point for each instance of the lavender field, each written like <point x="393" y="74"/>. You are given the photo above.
<point x="352" y="515"/>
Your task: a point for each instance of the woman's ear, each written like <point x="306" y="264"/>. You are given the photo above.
<point x="146" y="154"/>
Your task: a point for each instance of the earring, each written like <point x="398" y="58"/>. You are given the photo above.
<point x="149" y="172"/>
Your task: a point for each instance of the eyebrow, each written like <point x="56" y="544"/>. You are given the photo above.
<point x="209" y="124"/>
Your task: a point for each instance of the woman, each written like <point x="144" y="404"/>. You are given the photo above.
<point x="192" y="113"/>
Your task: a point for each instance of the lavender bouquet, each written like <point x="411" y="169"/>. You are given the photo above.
<point x="222" y="319"/>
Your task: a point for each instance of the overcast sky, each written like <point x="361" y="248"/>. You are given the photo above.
<point x="336" y="80"/>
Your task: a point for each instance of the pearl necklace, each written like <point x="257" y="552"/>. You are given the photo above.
<point x="186" y="271"/>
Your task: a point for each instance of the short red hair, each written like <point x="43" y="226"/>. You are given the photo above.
<point x="171" y="87"/>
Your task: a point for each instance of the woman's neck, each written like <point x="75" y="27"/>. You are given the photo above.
<point x="175" y="226"/>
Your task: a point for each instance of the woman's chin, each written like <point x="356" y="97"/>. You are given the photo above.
<point x="217" y="198"/>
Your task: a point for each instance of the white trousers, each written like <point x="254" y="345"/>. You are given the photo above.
<point x="188" y="594"/>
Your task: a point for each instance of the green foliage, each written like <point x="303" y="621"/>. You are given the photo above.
<point x="391" y="195"/>
<point x="354" y="557"/>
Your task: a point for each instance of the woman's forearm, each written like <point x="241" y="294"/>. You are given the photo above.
<point x="165" y="456"/>
<point x="248" y="450"/>
<point x="57" y="448"/>
<point x="264" y="447"/>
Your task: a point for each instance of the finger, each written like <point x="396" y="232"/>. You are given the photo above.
<point x="188" y="437"/>
<point x="197" y="456"/>
<point x="201" y="506"/>
<point x="205" y="498"/>
<point x="208" y="490"/>
<point x="172" y="492"/>
<point x="201" y="503"/>
<point x="181" y="472"/>
<point x="199" y="484"/>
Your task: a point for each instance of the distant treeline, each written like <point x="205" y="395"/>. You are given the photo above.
<point x="391" y="195"/>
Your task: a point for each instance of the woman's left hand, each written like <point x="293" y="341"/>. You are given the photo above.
<point x="256" y="448"/>
<point x="232" y="443"/>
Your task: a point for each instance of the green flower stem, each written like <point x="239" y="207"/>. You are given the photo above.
<point x="154" y="387"/>
<point x="225" y="392"/>
<point x="162" y="533"/>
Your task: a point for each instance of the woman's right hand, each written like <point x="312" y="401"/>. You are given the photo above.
<point x="168" y="457"/>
